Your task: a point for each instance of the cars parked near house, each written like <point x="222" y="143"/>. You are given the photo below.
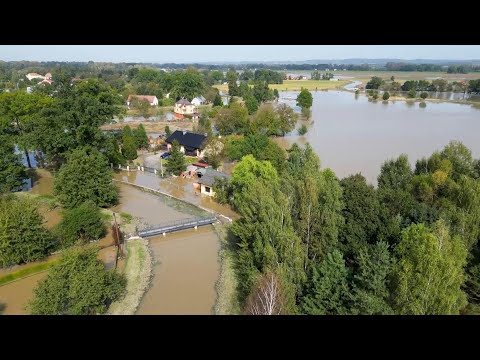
<point x="165" y="155"/>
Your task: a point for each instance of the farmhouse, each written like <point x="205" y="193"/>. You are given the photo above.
<point x="152" y="99"/>
<point x="184" y="107"/>
<point x="207" y="181"/>
<point x="190" y="142"/>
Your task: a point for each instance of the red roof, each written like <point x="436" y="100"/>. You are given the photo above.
<point x="201" y="165"/>
<point x="149" y="98"/>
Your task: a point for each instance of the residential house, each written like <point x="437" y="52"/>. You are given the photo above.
<point x="190" y="143"/>
<point x="152" y="99"/>
<point x="207" y="181"/>
<point x="199" y="100"/>
<point x="184" y="107"/>
<point x="31" y="76"/>
<point x="333" y="79"/>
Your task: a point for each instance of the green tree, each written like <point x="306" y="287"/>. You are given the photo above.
<point x="232" y="120"/>
<point x="141" y="138"/>
<point x="374" y="83"/>
<point x="370" y="293"/>
<point x="261" y="91"/>
<point x="386" y="95"/>
<point x="396" y="174"/>
<point x="412" y="94"/>
<point x="188" y="84"/>
<point x="248" y="171"/>
<point x="260" y="146"/>
<point x="218" y="100"/>
<point x="251" y="103"/>
<point x="424" y="95"/>
<point x="276" y="95"/>
<point x="429" y="273"/>
<point x="85" y="176"/>
<point x="287" y="119"/>
<point x="12" y="171"/>
<point x="168" y="132"/>
<point x="19" y="112"/>
<point x="266" y="237"/>
<point x="176" y="162"/>
<point x="461" y="159"/>
<point x="302" y="130"/>
<point x="81" y="225"/>
<point x="329" y="291"/>
<point x="22" y="236"/>
<point x="77" y="285"/>
<point x="305" y="99"/>
<point x="129" y="144"/>
<point x="142" y="106"/>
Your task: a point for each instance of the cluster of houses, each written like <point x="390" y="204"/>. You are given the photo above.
<point x="182" y="109"/>
<point x="194" y="144"/>
<point x="295" y="77"/>
<point x="45" y="79"/>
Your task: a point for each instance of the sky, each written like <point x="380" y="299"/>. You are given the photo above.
<point x="219" y="53"/>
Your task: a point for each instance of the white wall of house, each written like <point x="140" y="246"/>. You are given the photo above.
<point x="184" y="109"/>
<point x="206" y="190"/>
<point x="196" y="102"/>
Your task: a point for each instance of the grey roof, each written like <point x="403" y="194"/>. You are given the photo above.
<point x="210" y="175"/>
<point x="183" y="102"/>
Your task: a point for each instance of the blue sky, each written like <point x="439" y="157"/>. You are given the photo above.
<point x="203" y="53"/>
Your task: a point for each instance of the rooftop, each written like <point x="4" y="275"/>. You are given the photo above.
<point x="187" y="139"/>
<point x="210" y="177"/>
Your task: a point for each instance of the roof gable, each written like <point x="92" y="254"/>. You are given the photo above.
<point x="210" y="176"/>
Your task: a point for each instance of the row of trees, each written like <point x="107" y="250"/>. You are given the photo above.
<point x="310" y="243"/>
<point x="440" y="85"/>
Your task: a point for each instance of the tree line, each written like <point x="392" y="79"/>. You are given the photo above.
<point x="309" y="243"/>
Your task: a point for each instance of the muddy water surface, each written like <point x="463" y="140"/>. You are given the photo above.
<point x="15" y="296"/>
<point x="185" y="273"/>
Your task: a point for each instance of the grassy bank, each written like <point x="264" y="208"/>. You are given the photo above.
<point x="226" y="285"/>
<point x="296" y="85"/>
<point x="138" y="271"/>
<point x="26" y="272"/>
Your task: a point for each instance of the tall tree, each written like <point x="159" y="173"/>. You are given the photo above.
<point x="233" y="120"/>
<point x="129" y="144"/>
<point x="370" y="293"/>
<point x="176" y="162"/>
<point x="305" y="99"/>
<point x="12" y="171"/>
<point x="329" y="291"/>
<point x="141" y="138"/>
<point x="20" y="111"/>
<point x="85" y="176"/>
<point x="77" y="285"/>
<point x="22" y="236"/>
<point x="429" y="273"/>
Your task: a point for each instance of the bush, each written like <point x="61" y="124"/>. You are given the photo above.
<point x="375" y="95"/>
<point x="424" y="95"/>
<point x="412" y="94"/>
<point x="77" y="285"/>
<point x="85" y="176"/>
<point x="22" y="236"/>
<point x="303" y="130"/>
<point x="81" y="224"/>
<point x="386" y="95"/>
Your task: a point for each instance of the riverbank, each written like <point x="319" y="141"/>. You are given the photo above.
<point x="226" y="285"/>
<point x="138" y="271"/>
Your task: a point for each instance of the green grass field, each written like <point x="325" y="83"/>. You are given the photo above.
<point x="17" y="275"/>
<point x="296" y="85"/>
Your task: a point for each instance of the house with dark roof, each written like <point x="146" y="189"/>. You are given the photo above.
<point x="207" y="181"/>
<point x="190" y="142"/>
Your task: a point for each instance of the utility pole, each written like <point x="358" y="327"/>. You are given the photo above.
<point x="117" y="240"/>
<point x="161" y="166"/>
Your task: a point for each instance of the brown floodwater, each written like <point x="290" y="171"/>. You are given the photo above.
<point x="178" y="187"/>
<point x="15" y="296"/>
<point x="185" y="271"/>
<point x="354" y="135"/>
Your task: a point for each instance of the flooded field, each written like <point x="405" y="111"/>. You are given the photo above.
<point x="15" y="296"/>
<point x="354" y="135"/>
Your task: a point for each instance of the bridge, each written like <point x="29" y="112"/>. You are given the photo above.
<point x="176" y="226"/>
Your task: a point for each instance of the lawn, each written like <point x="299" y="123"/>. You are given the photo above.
<point x="296" y="85"/>
<point x="27" y="271"/>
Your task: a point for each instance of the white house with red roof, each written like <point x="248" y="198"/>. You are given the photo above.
<point x="152" y="99"/>
<point x="31" y="76"/>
